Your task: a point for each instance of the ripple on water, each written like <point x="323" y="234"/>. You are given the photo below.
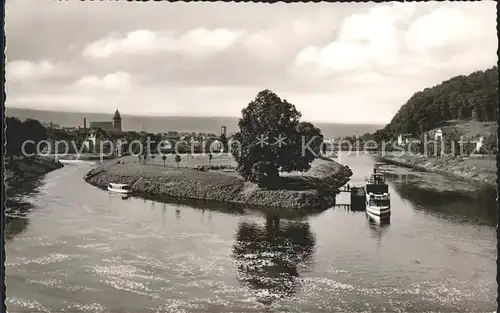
<point x="99" y="247"/>
<point x="447" y="295"/>
<point x="125" y="271"/>
<point x="48" y="259"/>
<point x="59" y="284"/>
<point x="130" y="286"/>
<point x="91" y="308"/>
<point x="127" y="278"/>
<point x="29" y="305"/>
<point x="207" y="305"/>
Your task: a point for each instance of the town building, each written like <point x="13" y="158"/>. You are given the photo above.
<point x="115" y="125"/>
<point x="102" y="125"/>
<point x="106" y="133"/>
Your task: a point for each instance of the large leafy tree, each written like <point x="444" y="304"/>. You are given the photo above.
<point x="18" y="132"/>
<point x="270" y="139"/>
<point x="33" y="130"/>
<point x="13" y="136"/>
<point x="301" y="151"/>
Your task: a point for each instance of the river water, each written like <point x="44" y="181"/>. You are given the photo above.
<point x="72" y="247"/>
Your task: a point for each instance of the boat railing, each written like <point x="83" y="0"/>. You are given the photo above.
<point x="376" y="181"/>
<point x="384" y="196"/>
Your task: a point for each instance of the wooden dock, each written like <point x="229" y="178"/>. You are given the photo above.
<point x="358" y="197"/>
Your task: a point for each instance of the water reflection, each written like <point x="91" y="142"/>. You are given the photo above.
<point x="351" y="209"/>
<point x="378" y="228"/>
<point x="269" y="256"/>
<point x="14" y="225"/>
<point x="17" y="205"/>
<point x="202" y="205"/>
<point x="477" y="206"/>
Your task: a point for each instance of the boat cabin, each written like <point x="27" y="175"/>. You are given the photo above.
<point x="376" y="184"/>
<point x="379" y="200"/>
<point x="119" y="188"/>
<point x="376" y="178"/>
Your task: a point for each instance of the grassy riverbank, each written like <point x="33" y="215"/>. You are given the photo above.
<point x="477" y="169"/>
<point x="27" y="168"/>
<point x="20" y="171"/>
<point x="311" y="190"/>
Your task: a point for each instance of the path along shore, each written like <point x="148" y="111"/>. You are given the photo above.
<point x="314" y="189"/>
<point x="476" y="169"/>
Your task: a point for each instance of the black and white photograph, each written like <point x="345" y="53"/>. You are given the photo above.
<point x="250" y="157"/>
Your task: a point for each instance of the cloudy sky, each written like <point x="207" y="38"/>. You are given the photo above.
<point x="349" y="63"/>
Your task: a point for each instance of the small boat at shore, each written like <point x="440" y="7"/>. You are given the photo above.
<point x="119" y="188"/>
<point x="378" y="199"/>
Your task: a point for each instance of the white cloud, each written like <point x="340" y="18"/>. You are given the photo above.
<point x="438" y="29"/>
<point x="114" y="81"/>
<point x="197" y="42"/>
<point x="21" y="70"/>
<point x="263" y="44"/>
<point x="285" y="35"/>
<point x="446" y="40"/>
<point x="458" y="40"/>
<point x="364" y="39"/>
<point x="203" y="41"/>
<point x="307" y="55"/>
<point x="342" y="62"/>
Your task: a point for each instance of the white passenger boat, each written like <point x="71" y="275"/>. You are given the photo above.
<point x="119" y="188"/>
<point x="378" y="199"/>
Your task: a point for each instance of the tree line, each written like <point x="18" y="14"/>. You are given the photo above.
<point x="471" y="97"/>
<point x="17" y="132"/>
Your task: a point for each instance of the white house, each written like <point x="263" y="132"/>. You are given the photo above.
<point x="119" y="147"/>
<point x="165" y="146"/>
<point x="438" y="135"/>
<point x="403" y="139"/>
<point x="479" y="143"/>
<point x="216" y="146"/>
<point x="95" y="138"/>
<point x="90" y="142"/>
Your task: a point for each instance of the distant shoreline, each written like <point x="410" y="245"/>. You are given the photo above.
<point x="312" y="191"/>
<point x="155" y="124"/>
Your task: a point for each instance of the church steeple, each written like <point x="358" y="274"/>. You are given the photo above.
<point x="117" y="121"/>
<point x="117" y="115"/>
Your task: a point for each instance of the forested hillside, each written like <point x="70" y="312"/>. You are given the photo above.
<point x="472" y="97"/>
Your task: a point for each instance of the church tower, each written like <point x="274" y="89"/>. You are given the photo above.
<point x="117" y="121"/>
